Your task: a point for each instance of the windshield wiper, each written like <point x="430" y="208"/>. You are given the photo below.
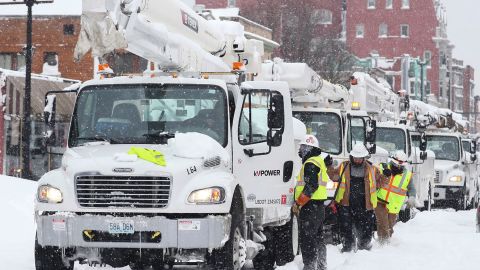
<point x="99" y="138"/>
<point x="160" y="137"/>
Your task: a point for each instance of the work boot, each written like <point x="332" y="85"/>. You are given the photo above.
<point x="367" y="245"/>
<point x="346" y="248"/>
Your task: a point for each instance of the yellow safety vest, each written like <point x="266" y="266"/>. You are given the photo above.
<point x="371" y="180"/>
<point x="395" y="191"/>
<point x="150" y="155"/>
<point x="321" y="192"/>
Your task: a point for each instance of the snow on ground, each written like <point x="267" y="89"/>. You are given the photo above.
<point x="442" y="239"/>
<point x="17" y="227"/>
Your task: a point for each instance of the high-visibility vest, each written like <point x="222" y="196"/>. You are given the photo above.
<point x="150" y="155"/>
<point x="321" y="192"/>
<point x="395" y="191"/>
<point x="371" y="181"/>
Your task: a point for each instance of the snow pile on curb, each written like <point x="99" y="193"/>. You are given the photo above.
<point x="17" y="223"/>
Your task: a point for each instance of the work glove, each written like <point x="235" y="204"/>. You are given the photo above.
<point x="333" y="207"/>
<point x="328" y="161"/>
<point x="296" y="209"/>
<point x="411" y="202"/>
<point x="387" y="172"/>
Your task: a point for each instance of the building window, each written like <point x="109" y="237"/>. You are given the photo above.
<point x="232" y="3"/>
<point x="389" y="4"/>
<point x="50" y="58"/>
<point x="370" y="4"/>
<point x="428" y="88"/>
<point x="360" y="31"/>
<point x="404" y="30"/>
<point x="68" y="29"/>
<point x="427" y="57"/>
<point x="383" y="30"/>
<point x="321" y="16"/>
<point x="405" y="4"/>
<point x="412" y="88"/>
<point x="6" y="61"/>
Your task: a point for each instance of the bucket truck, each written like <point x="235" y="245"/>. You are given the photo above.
<point x="185" y="164"/>
<point x="454" y="183"/>
<point x="393" y="133"/>
<point x="328" y="111"/>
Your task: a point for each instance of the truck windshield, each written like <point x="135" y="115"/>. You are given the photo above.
<point x="444" y="147"/>
<point x="391" y="139"/>
<point x="148" y="114"/>
<point x="326" y="126"/>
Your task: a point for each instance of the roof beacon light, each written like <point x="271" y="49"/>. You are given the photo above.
<point x="355" y="105"/>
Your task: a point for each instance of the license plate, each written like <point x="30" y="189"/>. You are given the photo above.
<point x="121" y="227"/>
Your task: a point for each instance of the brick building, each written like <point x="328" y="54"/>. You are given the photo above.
<point x="54" y="39"/>
<point x="395" y="28"/>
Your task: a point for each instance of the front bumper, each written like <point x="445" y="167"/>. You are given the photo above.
<point x="67" y="230"/>
<point x="447" y="193"/>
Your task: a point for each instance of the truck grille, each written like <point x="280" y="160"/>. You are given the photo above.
<point x="122" y="191"/>
<point x="437" y="177"/>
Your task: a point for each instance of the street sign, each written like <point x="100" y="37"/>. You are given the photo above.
<point x="15" y="2"/>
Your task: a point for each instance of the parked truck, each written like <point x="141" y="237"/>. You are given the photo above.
<point x="188" y="163"/>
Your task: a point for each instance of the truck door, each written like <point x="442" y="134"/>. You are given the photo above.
<point x="263" y="148"/>
<point x="58" y="111"/>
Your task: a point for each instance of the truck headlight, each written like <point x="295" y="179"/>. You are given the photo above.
<point x="214" y="195"/>
<point x="49" y="194"/>
<point x="332" y="185"/>
<point x="455" y="179"/>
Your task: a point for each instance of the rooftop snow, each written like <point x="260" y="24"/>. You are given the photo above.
<point x="58" y="7"/>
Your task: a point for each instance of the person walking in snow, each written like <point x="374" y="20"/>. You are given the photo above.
<point x="310" y="194"/>
<point x="356" y="197"/>
<point x="392" y="194"/>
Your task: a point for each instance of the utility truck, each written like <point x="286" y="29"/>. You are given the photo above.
<point x="186" y="164"/>
<point x="454" y="183"/>
<point x="329" y="112"/>
<point x="395" y="132"/>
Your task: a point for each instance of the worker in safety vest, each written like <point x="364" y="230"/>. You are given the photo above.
<point x="392" y="194"/>
<point x="356" y="198"/>
<point x="310" y="194"/>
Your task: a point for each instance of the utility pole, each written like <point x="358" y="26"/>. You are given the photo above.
<point x="26" y="130"/>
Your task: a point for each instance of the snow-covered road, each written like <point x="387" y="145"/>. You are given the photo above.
<point x="442" y="239"/>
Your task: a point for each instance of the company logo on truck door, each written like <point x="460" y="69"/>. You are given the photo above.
<point x="266" y="173"/>
<point x="189" y="21"/>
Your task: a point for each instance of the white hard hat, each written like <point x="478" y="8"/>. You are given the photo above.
<point x="399" y="157"/>
<point x="310" y="140"/>
<point x="359" y="151"/>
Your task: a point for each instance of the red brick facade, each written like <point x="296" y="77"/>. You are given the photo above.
<point x="213" y="3"/>
<point x="468" y="96"/>
<point x="48" y="37"/>
<point x="422" y="23"/>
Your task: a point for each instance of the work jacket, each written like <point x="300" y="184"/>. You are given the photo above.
<point x="395" y="190"/>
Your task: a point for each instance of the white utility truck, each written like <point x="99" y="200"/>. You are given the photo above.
<point x="180" y="166"/>
<point x="328" y="111"/>
<point x="453" y="183"/>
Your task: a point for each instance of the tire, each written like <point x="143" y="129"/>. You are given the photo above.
<point x="462" y="202"/>
<point x="427" y="205"/>
<point x="233" y="254"/>
<point x="49" y="258"/>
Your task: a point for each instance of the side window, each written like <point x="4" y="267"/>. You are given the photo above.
<point x="357" y="132"/>
<point x="253" y="126"/>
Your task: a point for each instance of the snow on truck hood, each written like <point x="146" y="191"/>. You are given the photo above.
<point x="185" y="146"/>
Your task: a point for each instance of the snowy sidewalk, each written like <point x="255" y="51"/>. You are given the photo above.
<point x="442" y="239"/>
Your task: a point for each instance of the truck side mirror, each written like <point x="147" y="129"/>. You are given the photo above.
<point x="276" y="115"/>
<point x="49" y="117"/>
<point x="423" y="142"/>
<point x="274" y="138"/>
<point x="473" y="157"/>
<point x="371" y="131"/>
<point x="473" y="147"/>
<point x="423" y="155"/>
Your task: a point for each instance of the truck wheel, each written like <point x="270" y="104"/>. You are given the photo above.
<point x="463" y="200"/>
<point x="233" y="254"/>
<point x="427" y="205"/>
<point x="49" y="258"/>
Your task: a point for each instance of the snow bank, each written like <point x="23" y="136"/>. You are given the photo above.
<point x="17" y="223"/>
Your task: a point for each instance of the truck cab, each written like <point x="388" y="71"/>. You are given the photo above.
<point x="171" y="166"/>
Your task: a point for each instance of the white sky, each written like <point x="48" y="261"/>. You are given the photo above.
<point x="464" y="32"/>
<point x="58" y="7"/>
